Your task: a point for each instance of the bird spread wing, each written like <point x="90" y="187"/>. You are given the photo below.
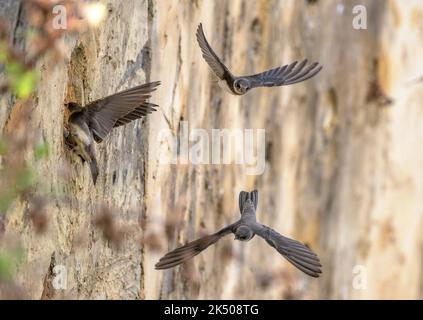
<point x="118" y="109"/>
<point x="191" y="249"/>
<point x="294" y="251"/>
<point x="285" y="75"/>
<point x="142" y="110"/>
<point x="208" y="54"/>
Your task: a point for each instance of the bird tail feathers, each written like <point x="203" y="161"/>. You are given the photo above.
<point x="244" y="196"/>
<point x="94" y="170"/>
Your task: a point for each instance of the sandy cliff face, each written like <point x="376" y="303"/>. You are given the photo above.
<point x="343" y="162"/>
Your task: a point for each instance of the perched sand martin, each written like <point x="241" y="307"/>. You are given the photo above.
<point x="281" y="76"/>
<point x="94" y="121"/>
<point x="245" y="229"/>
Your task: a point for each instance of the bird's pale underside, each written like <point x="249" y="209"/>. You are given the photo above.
<point x="239" y="85"/>
<point x="245" y="229"/>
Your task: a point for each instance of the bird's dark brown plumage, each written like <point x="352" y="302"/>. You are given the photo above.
<point x="97" y="119"/>
<point x="119" y="108"/>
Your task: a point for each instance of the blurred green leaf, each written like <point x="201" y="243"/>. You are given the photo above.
<point x="23" y="81"/>
<point x="3" y="52"/>
<point x="14" y="69"/>
<point x="21" y="181"/>
<point x="6" y="267"/>
<point x="25" y="84"/>
<point x="41" y="151"/>
<point x="24" y="179"/>
<point x="6" y="198"/>
<point x="3" y="147"/>
<point x="9" y="261"/>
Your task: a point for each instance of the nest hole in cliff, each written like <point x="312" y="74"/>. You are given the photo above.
<point x="77" y="84"/>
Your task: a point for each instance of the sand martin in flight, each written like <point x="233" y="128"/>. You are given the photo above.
<point x="281" y="76"/>
<point x="245" y="229"/>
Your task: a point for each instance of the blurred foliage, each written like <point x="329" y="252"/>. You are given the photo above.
<point x="41" y="151"/>
<point x="22" y="180"/>
<point x="3" y="147"/>
<point x="22" y="80"/>
<point x="9" y="262"/>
